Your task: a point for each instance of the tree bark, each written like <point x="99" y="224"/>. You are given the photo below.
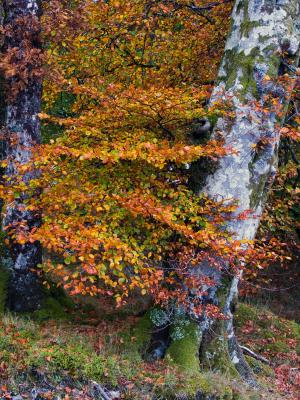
<point x="264" y="39"/>
<point x="23" y="97"/>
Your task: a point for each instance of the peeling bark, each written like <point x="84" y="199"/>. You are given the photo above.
<point x="23" y="126"/>
<point x="262" y="30"/>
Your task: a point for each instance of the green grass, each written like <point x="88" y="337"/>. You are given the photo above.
<point x="111" y="353"/>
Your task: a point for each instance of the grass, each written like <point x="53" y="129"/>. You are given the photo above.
<point x="111" y="353"/>
<point x="66" y="347"/>
<point x="267" y="333"/>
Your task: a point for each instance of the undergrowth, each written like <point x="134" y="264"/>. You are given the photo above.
<point x="70" y="353"/>
<point x="64" y="347"/>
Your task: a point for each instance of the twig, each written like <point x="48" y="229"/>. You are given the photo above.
<point x="258" y="357"/>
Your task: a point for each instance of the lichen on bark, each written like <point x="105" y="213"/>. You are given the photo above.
<point x="23" y="126"/>
<point x="262" y="31"/>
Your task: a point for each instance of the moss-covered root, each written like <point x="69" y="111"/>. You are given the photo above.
<point x="191" y="351"/>
<point x="4" y="272"/>
<point x="240" y="363"/>
<point x="201" y="383"/>
<point x="4" y="276"/>
<point x="221" y="353"/>
<point x="142" y="333"/>
<point x="184" y="351"/>
<point x="214" y="353"/>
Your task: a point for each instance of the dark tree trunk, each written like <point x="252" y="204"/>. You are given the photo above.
<point x="23" y="96"/>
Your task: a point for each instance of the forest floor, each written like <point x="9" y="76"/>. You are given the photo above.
<point x="61" y="351"/>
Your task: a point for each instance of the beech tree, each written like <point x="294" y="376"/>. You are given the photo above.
<point x="261" y="51"/>
<point x="21" y="64"/>
<point x="115" y="186"/>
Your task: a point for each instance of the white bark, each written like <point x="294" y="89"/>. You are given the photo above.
<point x="263" y="32"/>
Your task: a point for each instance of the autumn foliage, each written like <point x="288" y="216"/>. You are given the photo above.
<point x="123" y="84"/>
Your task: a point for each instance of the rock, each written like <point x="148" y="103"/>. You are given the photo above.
<point x="114" y="394"/>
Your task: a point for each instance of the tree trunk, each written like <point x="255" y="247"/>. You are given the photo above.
<point x="23" y="96"/>
<point x="6" y="261"/>
<point x="263" y="41"/>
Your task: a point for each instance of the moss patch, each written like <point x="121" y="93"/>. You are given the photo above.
<point x="247" y="27"/>
<point x="4" y="276"/>
<point x="143" y="330"/>
<point x="260" y="368"/>
<point x="56" y="305"/>
<point x="4" y="273"/>
<point x="184" y="352"/>
<point x="245" y="313"/>
<point x="51" y="309"/>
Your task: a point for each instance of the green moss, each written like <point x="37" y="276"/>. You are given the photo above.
<point x="247" y="27"/>
<point x="244" y="314"/>
<point x="241" y="66"/>
<point x="184" y="352"/>
<point x="142" y="331"/>
<point x="213" y="119"/>
<point x="58" y="352"/>
<point x="210" y="385"/>
<point x="270" y="333"/>
<point x="71" y="358"/>
<point x="51" y="309"/>
<point x="260" y="368"/>
<point x="4" y="276"/>
<point x="5" y="343"/>
<point x="267" y="324"/>
<point x="295" y="329"/>
<point x="274" y="62"/>
<point x="136" y="340"/>
<point x="258" y="189"/>
<point x="216" y="357"/>
<point x="56" y="305"/>
<point x="239" y="63"/>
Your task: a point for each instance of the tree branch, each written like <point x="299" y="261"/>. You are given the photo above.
<point x="251" y="353"/>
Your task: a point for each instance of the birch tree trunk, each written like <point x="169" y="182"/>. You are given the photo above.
<point x="263" y="41"/>
<point x="23" y="97"/>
